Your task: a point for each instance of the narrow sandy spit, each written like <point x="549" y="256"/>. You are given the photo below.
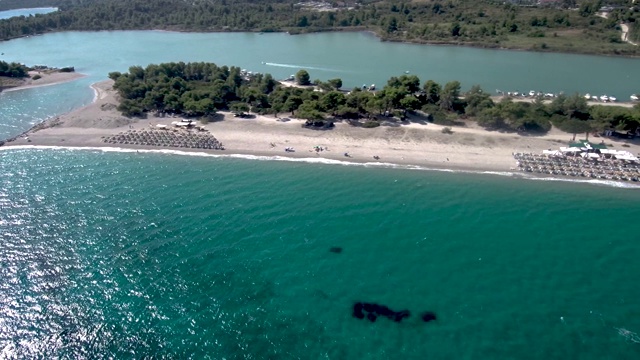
<point x="408" y="143"/>
<point x="47" y="79"/>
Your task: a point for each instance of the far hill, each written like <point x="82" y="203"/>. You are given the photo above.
<point x="540" y="25"/>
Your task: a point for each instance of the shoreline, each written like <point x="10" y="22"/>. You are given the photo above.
<point x="624" y="104"/>
<point x="310" y="160"/>
<point x="503" y="48"/>
<point x="409" y="145"/>
<point x="47" y="79"/>
<point x="488" y="46"/>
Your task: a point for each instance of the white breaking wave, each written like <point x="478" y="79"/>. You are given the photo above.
<point x="318" y="160"/>
<point x="310" y="160"/>
<point x="610" y="183"/>
<point x="292" y="66"/>
<point x="501" y="173"/>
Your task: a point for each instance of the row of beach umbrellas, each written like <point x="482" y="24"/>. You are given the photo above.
<point x="163" y="138"/>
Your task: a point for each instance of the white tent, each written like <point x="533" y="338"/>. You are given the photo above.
<point x="629" y="157"/>
<point x="570" y="149"/>
<point x="552" y="152"/>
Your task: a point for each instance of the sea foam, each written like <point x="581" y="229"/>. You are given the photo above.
<point x="318" y="160"/>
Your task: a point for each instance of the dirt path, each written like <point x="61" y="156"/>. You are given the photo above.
<point x="625" y="34"/>
<point x="624" y="27"/>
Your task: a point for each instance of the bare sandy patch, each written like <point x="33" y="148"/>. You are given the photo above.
<point x="46" y="78"/>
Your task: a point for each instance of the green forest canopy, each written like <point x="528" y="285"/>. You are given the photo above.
<point x="201" y="89"/>
<point x="562" y="25"/>
<point x="13" y="69"/>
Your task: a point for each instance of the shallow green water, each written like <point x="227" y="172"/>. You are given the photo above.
<point x="133" y="255"/>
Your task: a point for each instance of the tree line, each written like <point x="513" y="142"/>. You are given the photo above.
<point x="202" y="89"/>
<point x="569" y="25"/>
<point x="13" y="69"/>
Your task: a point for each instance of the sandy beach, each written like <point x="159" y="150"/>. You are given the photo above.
<point x="47" y="78"/>
<point x="412" y="142"/>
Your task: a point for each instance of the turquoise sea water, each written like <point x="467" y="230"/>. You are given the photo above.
<point x="136" y="255"/>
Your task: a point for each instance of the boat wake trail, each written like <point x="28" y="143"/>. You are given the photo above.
<point x="292" y="66"/>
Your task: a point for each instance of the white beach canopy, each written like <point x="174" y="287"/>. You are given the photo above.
<point x="624" y="155"/>
<point x="570" y="149"/>
<point x="608" y="151"/>
<point x="551" y="152"/>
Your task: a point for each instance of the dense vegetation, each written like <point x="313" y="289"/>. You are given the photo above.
<point x="562" y="25"/>
<point x="13" y="69"/>
<point x="201" y="89"/>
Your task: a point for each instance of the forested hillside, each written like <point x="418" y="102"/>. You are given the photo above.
<point x="558" y="25"/>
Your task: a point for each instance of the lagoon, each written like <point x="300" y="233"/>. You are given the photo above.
<point x="26" y="12"/>
<point x="356" y="58"/>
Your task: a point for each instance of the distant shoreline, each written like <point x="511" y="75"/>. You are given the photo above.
<point x="487" y="46"/>
<point x="47" y="79"/>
